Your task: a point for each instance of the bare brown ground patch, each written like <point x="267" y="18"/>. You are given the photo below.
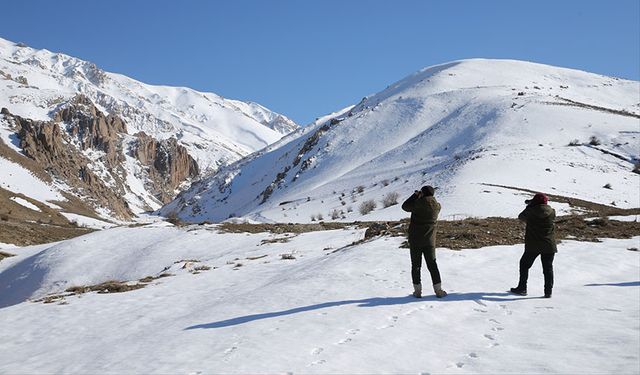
<point x="26" y="234"/>
<point x="22" y="226"/>
<point x="279" y="228"/>
<point x="5" y="255"/>
<point x="111" y="286"/>
<point x="476" y="233"/>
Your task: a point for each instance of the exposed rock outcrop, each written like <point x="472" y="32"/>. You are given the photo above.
<point x="85" y="149"/>
<point x="92" y="128"/>
<point x="46" y="143"/>
<point x="170" y="165"/>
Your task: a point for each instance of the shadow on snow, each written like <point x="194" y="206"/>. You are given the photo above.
<point x="629" y="283"/>
<point x="367" y="302"/>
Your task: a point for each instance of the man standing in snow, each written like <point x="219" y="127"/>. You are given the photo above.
<point x="422" y="237"/>
<point x="539" y="239"/>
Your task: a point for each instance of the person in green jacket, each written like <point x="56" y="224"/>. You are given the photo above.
<point x="422" y="238"/>
<point x="539" y="239"/>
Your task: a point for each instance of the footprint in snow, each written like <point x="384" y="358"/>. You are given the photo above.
<point x="489" y="337"/>
<point x="506" y="310"/>
<point x="610" y="310"/>
<point x="480" y="310"/>
<point x="317" y="351"/>
<point x="318" y="362"/>
<point x="494" y="321"/>
<point x="460" y="364"/>
<point x="344" y="341"/>
<point x="496" y="329"/>
<point x="415" y="310"/>
<point x="353" y="331"/>
<point x="472" y="355"/>
<point x="393" y="319"/>
<point x="230" y="350"/>
<point x="480" y="302"/>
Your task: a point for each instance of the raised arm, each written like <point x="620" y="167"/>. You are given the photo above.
<point x="523" y="215"/>
<point x="410" y="204"/>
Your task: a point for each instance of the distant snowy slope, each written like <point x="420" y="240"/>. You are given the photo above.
<point x="457" y="126"/>
<point x="270" y="119"/>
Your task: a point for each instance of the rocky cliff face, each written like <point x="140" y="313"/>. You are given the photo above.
<point x="87" y="150"/>
<point x="169" y="164"/>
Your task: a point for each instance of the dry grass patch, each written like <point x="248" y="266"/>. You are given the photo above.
<point x="5" y="255"/>
<point x="287" y="256"/>
<point x="257" y="257"/>
<point x="112" y="286"/>
<point x="26" y="233"/>
<point x="275" y="240"/>
<point x="149" y="279"/>
<point x="279" y="228"/>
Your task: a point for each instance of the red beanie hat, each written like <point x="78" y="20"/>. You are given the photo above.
<point x="539" y="198"/>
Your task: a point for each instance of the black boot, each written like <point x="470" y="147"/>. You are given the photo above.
<point x="521" y="289"/>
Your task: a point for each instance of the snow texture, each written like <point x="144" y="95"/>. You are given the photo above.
<point x="333" y="309"/>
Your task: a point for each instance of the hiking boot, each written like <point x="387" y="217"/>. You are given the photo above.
<point x="437" y="288"/>
<point x="417" y="290"/>
<point x="547" y="294"/>
<point x="519" y="291"/>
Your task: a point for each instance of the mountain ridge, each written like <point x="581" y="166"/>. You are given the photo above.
<point x="451" y="115"/>
<point x="171" y="124"/>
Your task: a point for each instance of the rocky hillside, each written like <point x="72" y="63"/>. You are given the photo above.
<point x="479" y="130"/>
<point x="116" y="145"/>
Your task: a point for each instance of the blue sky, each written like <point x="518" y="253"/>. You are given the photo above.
<point x="306" y="58"/>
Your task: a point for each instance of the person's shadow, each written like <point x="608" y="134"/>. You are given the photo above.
<point x="367" y="302"/>
<point x="629" y="283"/>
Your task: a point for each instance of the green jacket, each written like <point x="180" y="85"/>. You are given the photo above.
<point x="540" y="233"/>
<point x="424" y="216"/>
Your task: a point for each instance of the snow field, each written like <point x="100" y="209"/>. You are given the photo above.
<point x="347" y="311"/>
<point x="18" y="179"/>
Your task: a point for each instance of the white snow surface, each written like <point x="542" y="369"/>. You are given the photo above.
<point x="25" y="203"/>
<point x="333" y="309"/>
<point x="625" y="218"/>
<point x="460" y="127"/>
<point x="16" y="178"/>
<point x="87" y="222"/>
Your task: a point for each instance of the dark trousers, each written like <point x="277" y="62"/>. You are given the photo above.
<point x="547" y="268"/>
<point x="416" y="262"/>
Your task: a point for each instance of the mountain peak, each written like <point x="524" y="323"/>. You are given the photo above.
<point x="449" y="126"/>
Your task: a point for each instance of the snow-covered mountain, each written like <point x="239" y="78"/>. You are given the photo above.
<point x="158" y="121"/>
<point x="476" y="129"/>
<point x="240" y="298"/>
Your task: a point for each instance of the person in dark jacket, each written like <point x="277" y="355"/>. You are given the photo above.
<point x="422" y="238"/>
<point x="539" y="239"/>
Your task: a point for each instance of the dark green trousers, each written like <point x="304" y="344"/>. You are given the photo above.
<point x="429" y="255"/>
